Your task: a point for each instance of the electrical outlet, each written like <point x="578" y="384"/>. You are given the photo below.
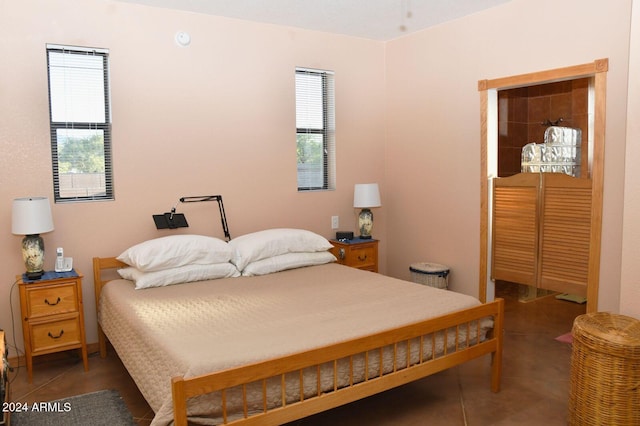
<point x="335" y="222"/>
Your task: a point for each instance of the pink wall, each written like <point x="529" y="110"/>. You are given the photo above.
<point x="629" y="288"/>
<point x="217" y="117"/>
<point x="433" y="127"/>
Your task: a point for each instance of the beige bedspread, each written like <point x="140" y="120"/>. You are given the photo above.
<point x="196" y="328"/>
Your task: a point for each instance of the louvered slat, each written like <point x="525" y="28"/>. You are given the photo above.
<point x="565" y="234"/>
<point x="514" y="254"/>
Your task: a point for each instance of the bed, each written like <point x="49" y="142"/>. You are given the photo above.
<point x="275" y="347"/>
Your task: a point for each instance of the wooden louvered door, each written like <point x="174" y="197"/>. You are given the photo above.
<point x="565" y="229"/>
<point x="515" y="228"/>
<point x="542" y="231"/>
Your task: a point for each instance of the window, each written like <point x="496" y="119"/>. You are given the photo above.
<point x="315" y="134"/>
<point x="80" y="123"/>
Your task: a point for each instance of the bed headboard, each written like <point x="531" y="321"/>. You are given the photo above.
<point x="102" y="265"/>
<point x="103" y="271"/>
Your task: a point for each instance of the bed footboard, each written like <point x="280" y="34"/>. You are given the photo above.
<point x="456" y="329"/>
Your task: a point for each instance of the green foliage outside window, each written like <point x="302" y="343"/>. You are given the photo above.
<point x="309" y="149"/>
<point x="81" y="155"/>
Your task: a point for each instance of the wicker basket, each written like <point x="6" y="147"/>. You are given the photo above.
<point x="605" y="370"/>
<point x="431" y="274"/>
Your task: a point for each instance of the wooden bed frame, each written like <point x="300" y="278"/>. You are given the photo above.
<point x="456" y="324"/>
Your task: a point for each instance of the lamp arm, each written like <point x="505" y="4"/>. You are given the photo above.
<point x="223" y="219"/>
<point x="218" y="198"/>
<point x="200" y="198"/>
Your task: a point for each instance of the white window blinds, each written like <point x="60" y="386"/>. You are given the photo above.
<point x="80" y="123"/>
<point x="315" y="134"/>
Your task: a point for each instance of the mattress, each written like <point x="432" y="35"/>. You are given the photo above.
<point x="196" y="328"/>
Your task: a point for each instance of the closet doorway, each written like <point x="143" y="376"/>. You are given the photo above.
<point x="493" y="95"/>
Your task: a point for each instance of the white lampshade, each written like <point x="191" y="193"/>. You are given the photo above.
<point x="31" y="216"/>
<point x="366" y="195"/>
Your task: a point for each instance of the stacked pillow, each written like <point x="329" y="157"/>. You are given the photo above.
<point x="279" y="249"/>
<point x="185" y="258"/>
<point x="177" y="259"/>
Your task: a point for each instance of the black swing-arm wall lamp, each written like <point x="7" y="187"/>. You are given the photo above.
<point x="173" y="220"/>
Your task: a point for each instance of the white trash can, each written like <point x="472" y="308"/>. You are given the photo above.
<point x="431" y="274"/>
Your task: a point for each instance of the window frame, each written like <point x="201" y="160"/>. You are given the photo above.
<point x="105" y="126"/>
<point x="327" y="131"/>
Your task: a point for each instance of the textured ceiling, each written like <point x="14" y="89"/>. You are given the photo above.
<point x="372" y="19"/>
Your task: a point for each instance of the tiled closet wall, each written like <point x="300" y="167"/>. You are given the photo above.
<point x="524" y="115"/>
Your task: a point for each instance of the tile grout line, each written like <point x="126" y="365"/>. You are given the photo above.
<point x="46" y="383"/>
<point x="462" y="407"/>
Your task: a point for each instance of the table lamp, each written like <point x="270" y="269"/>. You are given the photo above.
<point x="366" y="196"/>
<point x="31" y="216"/>
<point x="173" y="220"/>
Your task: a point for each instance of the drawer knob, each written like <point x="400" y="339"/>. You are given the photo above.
<point x="362" y="259"/>
<point x="52" y="304"/>
<point x="56" y="337"/>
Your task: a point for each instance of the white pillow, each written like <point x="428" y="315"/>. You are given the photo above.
<point x="287" y="261"/>
<point x="181" y="274"/>
<point x="273" y="242"/>
<point x="176" y="250"/>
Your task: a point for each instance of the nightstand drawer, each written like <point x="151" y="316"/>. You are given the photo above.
<point x="361" y="257"/>
<point x="357" y="253"/>
<point x="51" y="335"/>
<point x="52" y="300"/>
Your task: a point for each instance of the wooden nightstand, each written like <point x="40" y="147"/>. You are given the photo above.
<point x="358" y="253"/>
<point x="52" y="316"/>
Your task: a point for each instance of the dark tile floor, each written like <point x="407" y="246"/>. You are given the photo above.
<point x="535" y="380"/>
